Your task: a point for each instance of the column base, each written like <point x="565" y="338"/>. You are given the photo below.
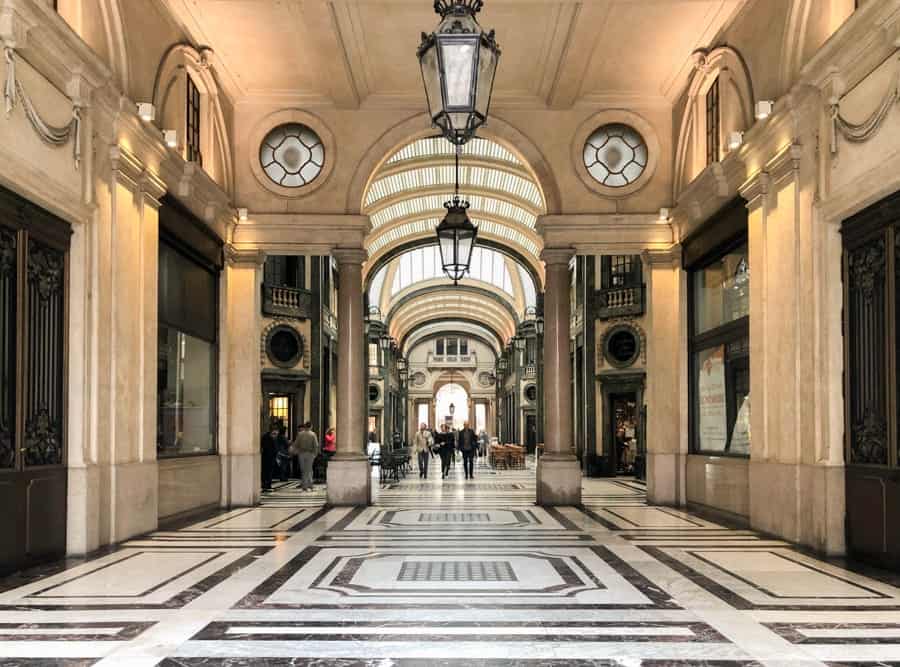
<point x="240" y="480"/>
<point x="349" y="482"/>
<point x="558" y="480"/>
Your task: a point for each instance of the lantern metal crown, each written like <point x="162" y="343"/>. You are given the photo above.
<point x="458" y="61"/>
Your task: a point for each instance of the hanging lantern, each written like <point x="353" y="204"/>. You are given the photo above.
<point x="456" y="239"/>
<point x="459" y="62"/>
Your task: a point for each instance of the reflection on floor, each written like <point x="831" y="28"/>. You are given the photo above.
<point x="452" y="573"/>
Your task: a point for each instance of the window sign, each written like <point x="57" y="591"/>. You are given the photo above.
<point x="713" y="416"/>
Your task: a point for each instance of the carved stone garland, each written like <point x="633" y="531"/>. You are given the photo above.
<point x="860" y="132"/>
<point x="49" y="134"/>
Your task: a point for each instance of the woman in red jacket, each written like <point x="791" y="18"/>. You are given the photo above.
<point x="329" y="446"/>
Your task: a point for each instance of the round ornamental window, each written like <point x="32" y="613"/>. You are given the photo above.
<point x="292" y="155"/>
<point x="419" y="379"/>
<point x="615" y="155"/>
<point x="374" y="393"/>
<point x="531" y="393"/>
<point x="622" y="347"/>
<point x="284" y="346"/>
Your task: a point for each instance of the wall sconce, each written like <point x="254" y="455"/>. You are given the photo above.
<point x="146" y="112"/>
<point x="171" y="137"/>
<point x="664" y="215"/>
<point x="735" y="140"/>
<point x="242" y="214"/>
<point x="764" y="109"/>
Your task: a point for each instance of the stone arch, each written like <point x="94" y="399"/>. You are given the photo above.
<point x="708" y="66"/>
<point x="419" y="126"/>
<point x="183" y="57"/>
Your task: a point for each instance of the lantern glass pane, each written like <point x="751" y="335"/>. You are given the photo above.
<point x="448" y="249"/>
<point x="458" y="58"/>
<point x="431" y="76"/>
<point x="466" y="241"/>
<point x="487" y="67"/>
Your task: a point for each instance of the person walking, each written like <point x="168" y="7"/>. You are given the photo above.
<point x="269" y="451"/>
<point x="283" y="456"/>
<point x="306" y="446"/>
<point x="422" y="444"/>
<point x="445" y="442"/>
<point x="468" y="445"/>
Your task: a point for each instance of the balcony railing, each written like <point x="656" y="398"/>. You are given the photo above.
<point x="287" y="301"/>
<point x="619" y="301"/>
<point x="530" y="371"/>
<point x="455" y="360"/>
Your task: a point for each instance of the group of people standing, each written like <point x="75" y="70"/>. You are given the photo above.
<point x="445" y="443"/>
<point x="295" y="458"/>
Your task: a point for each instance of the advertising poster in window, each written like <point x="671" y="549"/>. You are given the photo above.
<point x="713" y="424"/>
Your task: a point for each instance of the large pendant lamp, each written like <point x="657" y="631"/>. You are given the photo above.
<point x="459" y="61"/>
<point x="456" y="235"/>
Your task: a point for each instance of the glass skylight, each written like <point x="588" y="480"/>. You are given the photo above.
<point x="434" y="205"/>
<point x="423" y="264"/>
<point x="420" y="178"/>
<point x="440" y="147"/>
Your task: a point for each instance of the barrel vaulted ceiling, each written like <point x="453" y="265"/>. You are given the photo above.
<point x="361" y="53"/>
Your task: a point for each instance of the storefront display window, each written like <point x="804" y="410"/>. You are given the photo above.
<point x="186" y="394"/>
<point x="720" y="341"/>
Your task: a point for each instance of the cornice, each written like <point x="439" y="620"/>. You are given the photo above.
<point x="42" y="38"/>
<point x="303" y="233"/>
<point x="603" y="232"/>
<point x="669" y="257"/>
<point x="244" y="258"/>
<point x="859" y="46"/>
<point x="352" y="255"/>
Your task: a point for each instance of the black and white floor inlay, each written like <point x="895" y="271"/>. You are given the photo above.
<point x="451" y="573"/>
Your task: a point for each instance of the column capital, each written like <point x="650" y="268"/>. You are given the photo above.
<point x="350" y="255"/>
<point x="244" y="258"/>
<point x="551" y="256"/>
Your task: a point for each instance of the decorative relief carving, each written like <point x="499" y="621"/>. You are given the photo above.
<point x="42" y="440"/>
<point x="45" y="270"/>
<point x="7" y="253"/>
<point x="870" y="439"/>
<point x="617" y="326"/>
<point x="866" y="267"/>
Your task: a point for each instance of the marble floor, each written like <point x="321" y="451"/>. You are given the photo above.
<point x="452" y="573"/>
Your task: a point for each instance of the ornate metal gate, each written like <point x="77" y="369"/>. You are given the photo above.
<point x="871" y="324"/>
<point x="33" y="279"/>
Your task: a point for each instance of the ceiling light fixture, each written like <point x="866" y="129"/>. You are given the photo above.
<point x="171" y="137"/>
<point x="456" y="234"/>
<point x="664" y="215"/>
<point x="735" y="140"/>
<point x="764" y="109"/>
<point x="243" y="214"/>
<point x="146" y="112"/>
<point x="459" y="62"/>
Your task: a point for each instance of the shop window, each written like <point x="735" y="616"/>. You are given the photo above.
<point x="721" y="354"/>
<point x="193" y="123"/>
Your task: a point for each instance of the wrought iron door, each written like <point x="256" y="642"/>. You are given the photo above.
<point x="871" y="325"/>
<point x="33" y="270"/>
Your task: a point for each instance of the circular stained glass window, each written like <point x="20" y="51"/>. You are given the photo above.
<point x="292" y="155"/>
<point x="615" y="155"/>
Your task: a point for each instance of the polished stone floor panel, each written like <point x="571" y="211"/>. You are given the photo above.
<point x="452" y="573"/>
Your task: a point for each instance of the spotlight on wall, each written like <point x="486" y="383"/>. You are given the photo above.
<point x="146" y="112"/>
<point x="735" y="140"/>
<point x="171" y="137"/>
<point x="242" y="214"/>
<point x="764" y="109"/>
<point x="664" y="215"/>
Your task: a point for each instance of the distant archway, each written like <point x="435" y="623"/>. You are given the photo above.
<point x="452" y="405"/>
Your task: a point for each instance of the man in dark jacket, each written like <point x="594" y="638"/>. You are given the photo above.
<point x="444" y="441"/>
<point x="468" y="445"/>
<point x="269" y="449"/>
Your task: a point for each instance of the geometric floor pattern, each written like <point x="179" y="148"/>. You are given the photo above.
<point x="452" y="573"/>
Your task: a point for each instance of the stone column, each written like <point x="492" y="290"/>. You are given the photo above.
<point x="666" y="399"/>
<point x="239" y="373"/>
<point x="349" y="479"/>
<point x="558" y="473"/>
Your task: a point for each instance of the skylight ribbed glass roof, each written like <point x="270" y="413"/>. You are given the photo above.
<point x="407" y="194"/>
<point x="423" y="264"/>
<point x="420" y="178"/>
<point x="438" y="146"/>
